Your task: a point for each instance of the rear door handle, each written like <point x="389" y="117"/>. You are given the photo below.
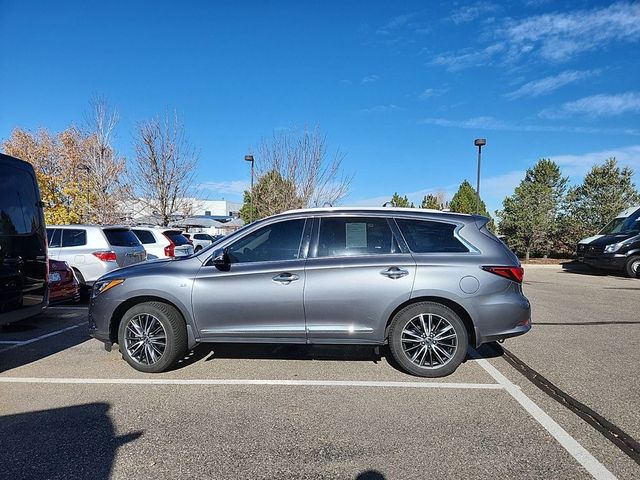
<point x="394" y="272"/>
<point x="286" y="278"/>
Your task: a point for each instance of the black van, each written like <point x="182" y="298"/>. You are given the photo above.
<point x="23" y="243"/>
<point x="617" y="251"/>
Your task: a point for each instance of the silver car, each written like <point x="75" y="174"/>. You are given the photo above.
<point x="426" y="283"/>
<point x="93" y="250"/>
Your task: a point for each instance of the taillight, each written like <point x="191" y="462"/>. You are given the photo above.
<point x="169" y="250"/>
<point x="512" y="273"/>
<point x="105" y="256"/>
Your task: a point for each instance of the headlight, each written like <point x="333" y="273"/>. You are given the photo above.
<point x="104" y="285"/>
<point x="614" y="247"/>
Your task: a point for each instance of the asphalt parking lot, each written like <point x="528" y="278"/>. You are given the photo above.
<point x="69" y="409"/>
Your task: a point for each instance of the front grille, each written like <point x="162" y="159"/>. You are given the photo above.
<point x="595" y="249"/>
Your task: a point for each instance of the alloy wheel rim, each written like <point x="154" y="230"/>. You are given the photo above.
<point x="635" y="266"/>
<point x="429" y="341"/>
<point x="145" y="339"/>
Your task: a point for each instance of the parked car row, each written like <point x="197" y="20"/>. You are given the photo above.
<point x="91" y="251"/>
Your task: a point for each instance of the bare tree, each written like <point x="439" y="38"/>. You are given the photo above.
<point x="302" y="159"/>
<point x="105" y="171"/>
<point x="162" y="176"/>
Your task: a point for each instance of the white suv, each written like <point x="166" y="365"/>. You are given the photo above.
<point x="202" y="240"/>
<point x="163" y="242"/>
<point x="92" y="250"/>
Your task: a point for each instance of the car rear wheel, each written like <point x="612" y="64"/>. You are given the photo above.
<point x="428" y="339"/>
<point x="632" y="267"/>
<point x="152" y="337"/>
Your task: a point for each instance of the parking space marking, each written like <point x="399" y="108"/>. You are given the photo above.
<point x="205" y="381"/>
<point x="42" y="337"/>
<point x="570" y="444"/>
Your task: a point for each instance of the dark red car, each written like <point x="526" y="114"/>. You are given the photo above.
<point x="63" y="284"/>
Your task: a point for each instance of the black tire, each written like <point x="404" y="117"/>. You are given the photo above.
<point x="175" y="331"/>
<point x="632" y="267"/>
<point x="407" y="314"/>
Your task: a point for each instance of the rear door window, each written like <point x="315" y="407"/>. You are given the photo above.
<point x="353" y="236"/>
<point x="120" y="237"/>
<point x="425" y="236"/>
<point x="73" y="238"/>
<point x="144" y="236"/>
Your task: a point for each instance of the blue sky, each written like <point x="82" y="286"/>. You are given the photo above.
<point x="401" y="88"/>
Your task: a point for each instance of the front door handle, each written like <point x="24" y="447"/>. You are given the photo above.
<point x="286" y="278"/>
<point x="394" y="272"/>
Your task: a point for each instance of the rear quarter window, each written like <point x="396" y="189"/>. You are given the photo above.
<point x="121" y="238"/>
<point x="176" y="237"/>
<point x="425" y="236"/>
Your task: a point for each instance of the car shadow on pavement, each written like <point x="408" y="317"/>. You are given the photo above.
<point x="580" y="268"/>
<point x="11" y="358"/>
<point x="78" y="441"/>
<point x="350" y="353"/>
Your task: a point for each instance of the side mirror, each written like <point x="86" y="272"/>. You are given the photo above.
<point x="220" y="258"/>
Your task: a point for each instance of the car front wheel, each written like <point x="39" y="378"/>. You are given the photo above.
<point x="632" y="267"/>
<point x="428" y="339"/>
<point x="152" y="337"/>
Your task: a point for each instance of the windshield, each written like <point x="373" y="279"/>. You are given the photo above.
<point x="631" y="224"/>
<point x="613" y="226"/>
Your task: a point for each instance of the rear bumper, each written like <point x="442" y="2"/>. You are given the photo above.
<point x="501" y="316"/>
<point x="609" y="261"/>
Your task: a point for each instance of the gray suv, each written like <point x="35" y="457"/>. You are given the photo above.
<point x="424" y="282"/>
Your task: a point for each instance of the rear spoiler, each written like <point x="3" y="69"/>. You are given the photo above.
<point x="481" y="221"/>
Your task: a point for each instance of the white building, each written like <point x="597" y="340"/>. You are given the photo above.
<point x="135" y="211"/>
<point x="216" y="208"/>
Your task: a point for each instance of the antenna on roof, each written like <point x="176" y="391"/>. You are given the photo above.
<point x="388" y="204"/>
<point x="327" y="204"/>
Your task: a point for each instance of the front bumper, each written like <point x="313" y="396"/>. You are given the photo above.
<point x="609" y="261"/>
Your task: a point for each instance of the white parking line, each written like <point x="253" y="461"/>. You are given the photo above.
<point x="570" y="444"/>
<point x="42" y="337"/>
<point x="206" y="381"/>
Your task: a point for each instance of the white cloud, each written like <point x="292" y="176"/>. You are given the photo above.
<point x="380" y="109"/>
<point x="491" y="123"/>
<point x="578" y="165"/>
<point x="236" y="187"/>
<point x="559" y="36"/>
<point x="369" y="79"/>
<point x="601" y="105"/>
<point x="549" y="84"/>
<point x="468" y="13"/>
<point x="467" y="58"/>
<point x="555" y="37"/>
<point x="431" y="93"/>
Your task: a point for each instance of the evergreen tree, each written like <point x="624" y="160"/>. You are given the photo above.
<point x="464" y="201"/>
<point x="529" y="218"/>
<point x="271" y="194"/>
<point x="434" y="202"/>
<point x="398" y="201"/>
<point x="606" y="191"/>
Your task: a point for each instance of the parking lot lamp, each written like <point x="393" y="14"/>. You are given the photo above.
<point x="479" y="142"/>
<point x="249" y="158"/>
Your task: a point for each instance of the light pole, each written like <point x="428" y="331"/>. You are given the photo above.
<point x="479" y="142"/>
<point x="249" y="158"/>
